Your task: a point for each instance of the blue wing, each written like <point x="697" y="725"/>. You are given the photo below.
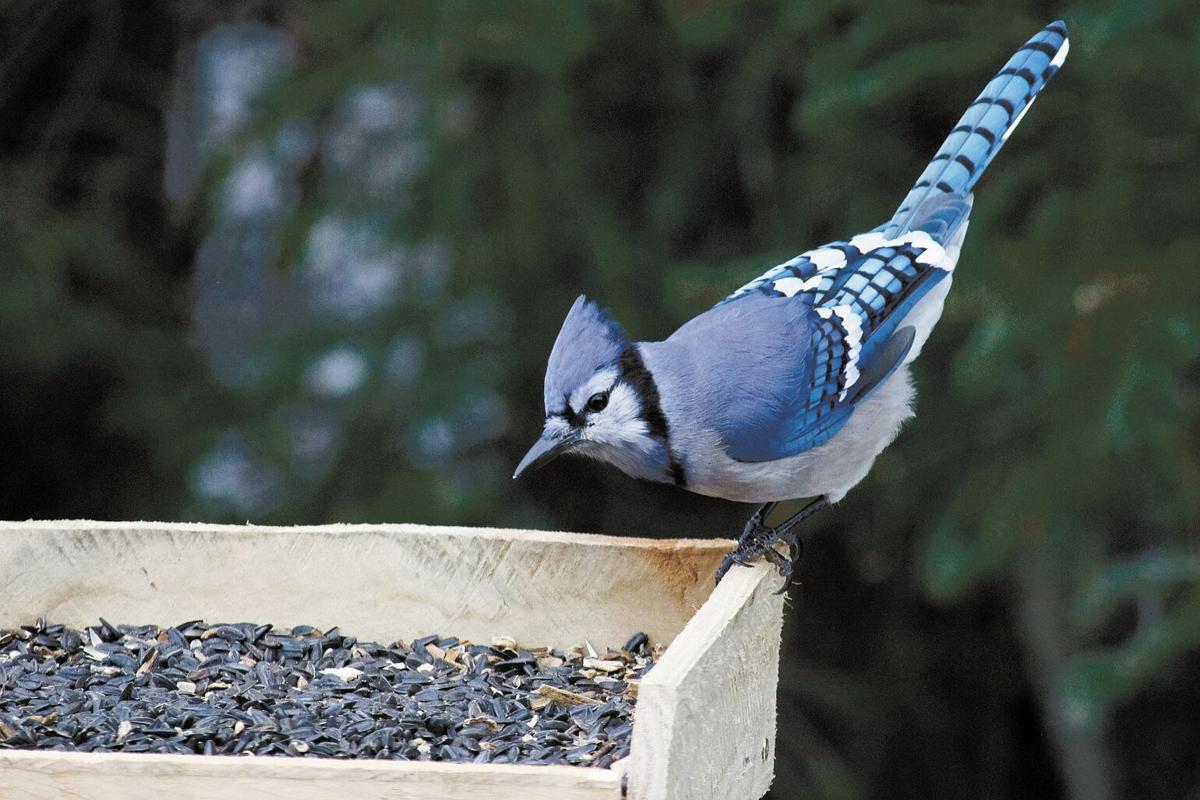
<point x="857" y="294"/>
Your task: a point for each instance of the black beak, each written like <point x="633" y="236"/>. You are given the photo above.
<point x="544" y="450"/>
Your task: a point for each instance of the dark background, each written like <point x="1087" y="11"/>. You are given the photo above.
<point x="298" y="263"/>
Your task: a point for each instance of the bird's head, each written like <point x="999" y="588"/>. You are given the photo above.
<point x="595" y="395"/>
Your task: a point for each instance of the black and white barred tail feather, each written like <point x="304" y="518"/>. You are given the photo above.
<point x="938" y="202"/>
<point x="987" y="124"/>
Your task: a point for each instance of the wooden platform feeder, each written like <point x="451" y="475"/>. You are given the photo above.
<point x="704" y="725"/>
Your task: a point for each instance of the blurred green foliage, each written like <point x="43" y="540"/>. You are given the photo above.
<point x="1008" y="607"/>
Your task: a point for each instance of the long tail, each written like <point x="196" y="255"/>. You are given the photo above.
<point x="986" y="125"/>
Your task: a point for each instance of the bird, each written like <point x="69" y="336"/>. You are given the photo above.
<point x="791" y="386"/>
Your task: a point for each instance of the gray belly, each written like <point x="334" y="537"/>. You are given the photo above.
<point x="831" y="469"/>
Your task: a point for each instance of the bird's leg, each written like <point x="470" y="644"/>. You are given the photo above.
<point x="755" y="529"/>
<point x="748" y="546"/>
<point x="758" y="539"/>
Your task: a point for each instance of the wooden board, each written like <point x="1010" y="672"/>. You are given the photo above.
<point x="137" y="776"/>
<point x="378" y="581"/>
<point x="704" y="711"/>
<point x="704" y="725"/>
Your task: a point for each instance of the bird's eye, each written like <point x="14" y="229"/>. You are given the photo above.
<point x="597" y="402"/>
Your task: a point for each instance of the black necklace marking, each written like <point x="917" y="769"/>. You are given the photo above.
<point x="634" y="372"/>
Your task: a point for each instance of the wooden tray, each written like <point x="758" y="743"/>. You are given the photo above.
<point x="704" y="726"/>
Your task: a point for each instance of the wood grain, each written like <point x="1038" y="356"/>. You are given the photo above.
<point x="376" y="581"/>
<point x="137" y="776"/>
<point x="704" y="725"/>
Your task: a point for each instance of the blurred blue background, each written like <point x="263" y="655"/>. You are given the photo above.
<point x="298" y="263"/>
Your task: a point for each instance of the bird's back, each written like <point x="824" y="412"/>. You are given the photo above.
<point x="744" y="362"/>
<point x="803" y="369"/>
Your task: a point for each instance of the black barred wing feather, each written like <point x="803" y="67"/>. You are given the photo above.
<point x="860" y="292"/>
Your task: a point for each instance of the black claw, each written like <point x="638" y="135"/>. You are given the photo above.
<point x="734" y="557"/>
<point x="788" y="565"/>
<point x="726" y="563"/>
<point x="795" y="547"/>
<point x="758" y="541"/>
<point x="783" y="564"/>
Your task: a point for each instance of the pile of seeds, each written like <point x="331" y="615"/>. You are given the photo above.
<point x="246" y="688"/>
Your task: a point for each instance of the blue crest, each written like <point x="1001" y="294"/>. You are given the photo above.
<point x="589" y="341"/>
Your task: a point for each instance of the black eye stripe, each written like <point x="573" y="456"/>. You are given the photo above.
<point x="576" y="418"/>
<point x="568" y="414"/>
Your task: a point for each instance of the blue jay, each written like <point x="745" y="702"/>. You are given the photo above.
<point x="792" y="385"/>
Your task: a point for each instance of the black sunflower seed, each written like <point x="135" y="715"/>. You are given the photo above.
<point x="246" y="688"/>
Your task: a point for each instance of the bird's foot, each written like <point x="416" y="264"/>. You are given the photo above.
<point x="760" y="540"/>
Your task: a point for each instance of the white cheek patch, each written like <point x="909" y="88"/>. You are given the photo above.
<point x="600" y="382"/>
<point x="623" y="404"/>
<point x="620" y="423"/>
